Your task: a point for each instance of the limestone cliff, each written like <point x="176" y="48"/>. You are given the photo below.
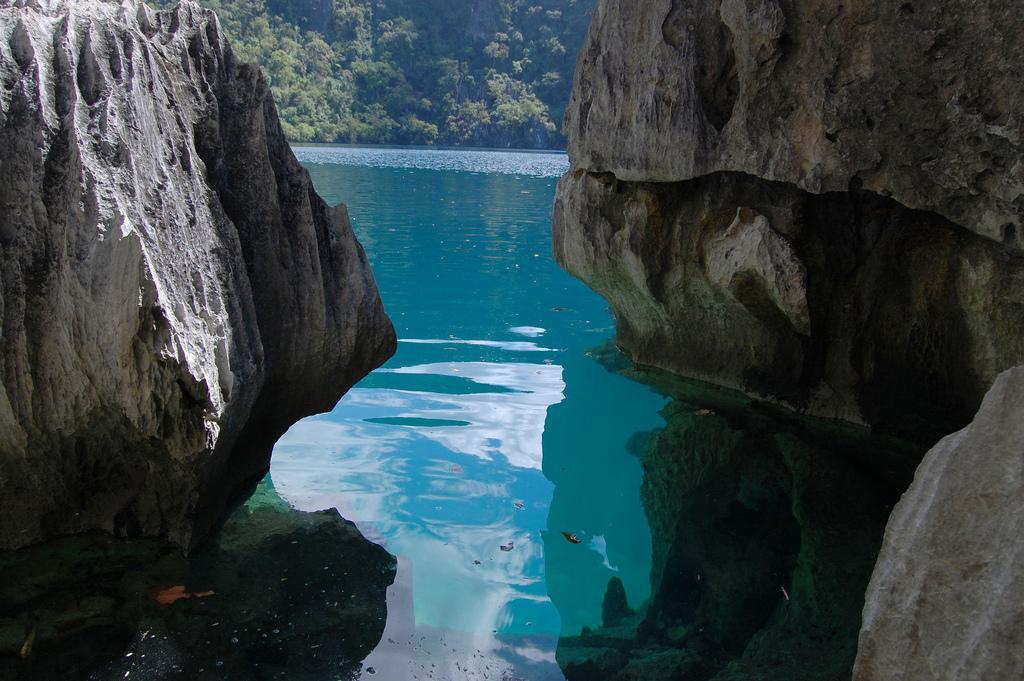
<point x="815" y="203"/>
<point x="821" y="204"/>
<point x="174" y="293"/>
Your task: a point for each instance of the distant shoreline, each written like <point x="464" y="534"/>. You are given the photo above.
<point x="423" y="147"/>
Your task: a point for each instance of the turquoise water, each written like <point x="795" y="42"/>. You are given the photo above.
<point x="491" y="427"/>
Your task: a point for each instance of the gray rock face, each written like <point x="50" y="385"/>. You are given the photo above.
<point x="945" y="599"/>
<point x="174" y="294"/>
<point x="919" y="101"/>
<point x="844" y="305"/>
<point x="818" y="205"/>
<point x="821" y="204"/>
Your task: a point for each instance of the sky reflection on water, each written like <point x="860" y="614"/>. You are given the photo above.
<point x="473" y="438"/>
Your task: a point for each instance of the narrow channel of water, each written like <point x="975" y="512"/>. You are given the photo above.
<point x="491" y="432"/>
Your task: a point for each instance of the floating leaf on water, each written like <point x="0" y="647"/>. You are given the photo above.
<point x="175" y="593"/>
<point x="572" y="538"/>
<point x="506" y="547"/>
<point x="26" y="647"/>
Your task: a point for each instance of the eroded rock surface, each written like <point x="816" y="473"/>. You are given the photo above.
<point x="919" y="101"/>
<point x="815" y="204"/>
<point x="845" y="305"/>
<point x="174" y="293"/>
<point x="945" y="600"/>
<point x="820" y="204"/>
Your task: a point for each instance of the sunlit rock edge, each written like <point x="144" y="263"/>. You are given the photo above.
<point x="174" y="294"/>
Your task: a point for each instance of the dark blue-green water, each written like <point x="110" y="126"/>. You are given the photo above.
<point x="491" y="427"/>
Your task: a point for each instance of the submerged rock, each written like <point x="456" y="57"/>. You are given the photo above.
<point x="285" y="594"/>
<point x="615" y="606"/>
<point x="764" y="530"/>
<point x="946" y="600"/>
<point x="173" y="292"/>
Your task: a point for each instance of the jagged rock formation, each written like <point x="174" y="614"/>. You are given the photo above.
<point x="959" y="616"/>
<point x="174" y="294"/>
<point x="816" y="204"/>
<point x="821" y="204"/>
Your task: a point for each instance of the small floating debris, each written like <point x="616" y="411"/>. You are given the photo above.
<point x="476" y="562"/>
<point x="26" y="647"/>
<point x="506" y="547"/>
<point x="455" y="468"/>
<point x="784" y="592"/>
<point x="559" y="309"/>
<point x="572" y="538"/>
<point x="173" y="594"/>
<point x="704" y="412"/>
<point x="519" y="505"/>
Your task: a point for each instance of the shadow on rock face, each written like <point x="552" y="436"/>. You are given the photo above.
<point x="275" y="594"/>
<point x="765" y="529"/>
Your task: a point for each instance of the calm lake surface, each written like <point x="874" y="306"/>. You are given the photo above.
<point x="491" y="432"/>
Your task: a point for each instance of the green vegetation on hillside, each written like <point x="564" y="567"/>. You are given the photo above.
<point x="447" y="72"/>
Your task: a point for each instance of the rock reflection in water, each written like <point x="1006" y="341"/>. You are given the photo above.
<point x="765" y="529"/>
<point x="295" y="596"/>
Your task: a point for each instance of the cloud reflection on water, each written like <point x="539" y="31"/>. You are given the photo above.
<point x="442" y="498"/>
<point x="511" y="346"/>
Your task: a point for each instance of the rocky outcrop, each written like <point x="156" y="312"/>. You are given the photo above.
<point x="819" y="205"/>
<point x="945" y="599"/>
<point x="845" y="305"/>
<point x="917" y="101"/>
<point x="174" y="294"/>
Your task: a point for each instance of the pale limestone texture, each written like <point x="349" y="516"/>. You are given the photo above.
<point x="173" y="292"/>
<point x="946" y="600"/>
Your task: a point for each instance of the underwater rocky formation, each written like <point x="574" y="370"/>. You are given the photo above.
<point x="821" y="205"/>
<point x="274" y="593"/>
<point x="173" y="292"/>
<point x="764" y="528"/>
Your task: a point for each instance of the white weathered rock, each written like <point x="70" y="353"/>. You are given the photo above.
<point x="946" y="599"/>
<point x="174" y="294"/>
<point x="750" y="249"/>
